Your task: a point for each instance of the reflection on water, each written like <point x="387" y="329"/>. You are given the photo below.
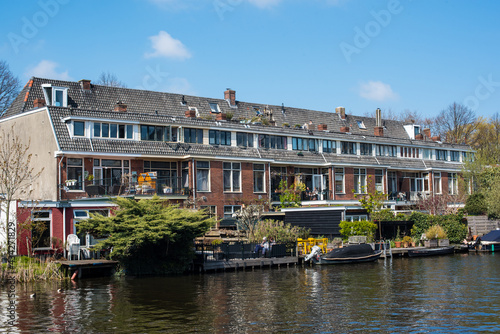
<point x="457" y="293"/>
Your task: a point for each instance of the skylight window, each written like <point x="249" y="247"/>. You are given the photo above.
<point x="361" y="125"/>
<point x="214" y="108"/>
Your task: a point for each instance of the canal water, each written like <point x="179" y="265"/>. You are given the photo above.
<point x="447" y="294"/>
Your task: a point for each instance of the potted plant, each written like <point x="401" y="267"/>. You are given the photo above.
<point x="407" y="240"/>
<point x="397" y="240"/>
<point x="285" y="125"/>
<point x="70" y="183"/>
<point x="434" y="234"/>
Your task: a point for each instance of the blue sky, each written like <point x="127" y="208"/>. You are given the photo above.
<point x="417" y="55"/>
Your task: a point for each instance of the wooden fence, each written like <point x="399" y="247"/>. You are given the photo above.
<point x="480" y="225"/>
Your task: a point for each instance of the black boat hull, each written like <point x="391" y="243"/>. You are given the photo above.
<point x="431" y="251"/>
<point x="345" y="260"/>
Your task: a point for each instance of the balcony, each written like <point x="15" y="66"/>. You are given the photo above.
<point x="170" y="187"/>
<point x="323" y="195"/>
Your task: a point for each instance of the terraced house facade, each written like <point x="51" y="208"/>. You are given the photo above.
<point x="96" y="142"/>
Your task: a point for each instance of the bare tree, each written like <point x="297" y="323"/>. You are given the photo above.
<point x="109" y="79"/>
<point x="17" y="175"/>
<point x="9" y="86"/>
<point x="456" y="123"/>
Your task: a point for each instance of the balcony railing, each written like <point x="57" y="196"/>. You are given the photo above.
<point x="306" y="196"/>
<point x="117" y="187"/>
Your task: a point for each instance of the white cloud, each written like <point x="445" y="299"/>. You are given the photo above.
<point x="165" y="45"/>
<point x="48" y="69"/>
<point x="264" y="3"/>
<point x="377" y="91"/>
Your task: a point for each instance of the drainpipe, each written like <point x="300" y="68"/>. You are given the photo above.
<point x="64" y="230"/>
<point x="194" y="189"/>
<point x="59" y="183"/>
<point x="269" y="184"/>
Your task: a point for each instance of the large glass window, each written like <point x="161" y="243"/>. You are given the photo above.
<point x="360" y="180"/>
<point x="304" y="144"/>
<point x="392" y="184"/>
<point x="329" y="146"/>
<point x="348" y="147"/>
<point x="155" y="133"/>
<point x="244" y="139"/>
<point x="74" y="174"/>
<point x="166" y="173"/>
<point x="339" y="180"/>
<point x="231" y="210"/>
<point x="258" y="178"/>
<point x="268" y="141"/>
<point x="365" y="149"/>
<point x="437" y="183"/>
<point x="40" y="236"/>
<point x="232" y="176"/>
<point x="386" y="150"/>
<point x="194" y="136"/>
<point x="441" y="155"/>
<point x="217" y="137"/>
<point x="452" y="184"/>
<point x="203" y="176"/>
<point x="379" y="180"/>
<point x="78" y="128"/>
<point x="112" y="130"/>
<point x="454" y="155"/>
<point x="427" y="154"/>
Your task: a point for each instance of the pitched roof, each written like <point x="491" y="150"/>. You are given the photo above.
<point x="149" y="107"/>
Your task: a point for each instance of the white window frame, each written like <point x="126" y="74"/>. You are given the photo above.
<point x="232" y="170"/>
<point x="208" y="176"/>
<point x="84" y="128"/>
<point x="50" y="92"/>
<point x="230" y="213"/>
<point x="259" y="173"/>
<point x="335" y="179"/>
<point x="50" y="228"/>
<point x="452" y="183"/>
<point x="212" y="210"/>
<point x="214" y="108"/>
<point x="360" y="180"/>
<point x="381" y="183"/>
<point x="437" y="177"/>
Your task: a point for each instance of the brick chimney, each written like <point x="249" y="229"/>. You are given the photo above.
<point x="230" y="96"/>
<point x="419" y="136"/>
<point x="340" y="111"/>
<point x="436" y="138"/>
<point x="190" y="113"/>
<point x="379" y="129"/>
<point x="85" y="84"/>
<point x="120" y="106"/>
<point x="427" y="132"/>
<point x="39" y="103"/>
<point x="322" y="127"/>
<point x="221" y="117"/>
<point x="344" y="129"/>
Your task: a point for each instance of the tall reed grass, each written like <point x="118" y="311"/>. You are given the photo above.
<point x="27" y="269"/>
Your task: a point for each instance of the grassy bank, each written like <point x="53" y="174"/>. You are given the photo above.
<point x="26" y="269"/>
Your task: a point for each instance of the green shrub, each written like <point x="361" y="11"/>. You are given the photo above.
<point x="278" y="231"/>
<point x="476" y="204"/>
<point x="362" y="227"/>
<point x="452" y="224"/>
<point x="435" y="232"/>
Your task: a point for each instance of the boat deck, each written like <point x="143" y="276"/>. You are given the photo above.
<point x="244" y="264"/>
<point x="71" y="267"/>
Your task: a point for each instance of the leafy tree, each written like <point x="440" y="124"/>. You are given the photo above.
<point x="476" y="204"/>
<point x="278" y="231"/>
<point x="149" y="236"/>
<point x="9" y="86"/>
<point x="370" y="201"/>
<point x="17" y="176"/>
<point x="290" y="196"/>
<point x="363" y="227"/>
<point x="452" y="224"/>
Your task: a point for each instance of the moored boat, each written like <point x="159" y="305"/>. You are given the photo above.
<point x="431" y="251"/>
<point x="348" y="254"/>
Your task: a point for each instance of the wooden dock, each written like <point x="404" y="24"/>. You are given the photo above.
<point x="89" y="267"/>
<point x="245" y="264"/>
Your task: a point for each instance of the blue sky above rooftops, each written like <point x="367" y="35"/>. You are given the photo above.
<point x="398" y="55"/>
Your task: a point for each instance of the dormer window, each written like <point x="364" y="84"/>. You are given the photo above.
<point x="55" y="96"/>
<point x="78" y="128"/>
<point x="417" y="129"/>
<point x="214" y="108"/>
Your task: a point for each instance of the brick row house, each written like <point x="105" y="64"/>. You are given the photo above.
<point x="97" y="142"/>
